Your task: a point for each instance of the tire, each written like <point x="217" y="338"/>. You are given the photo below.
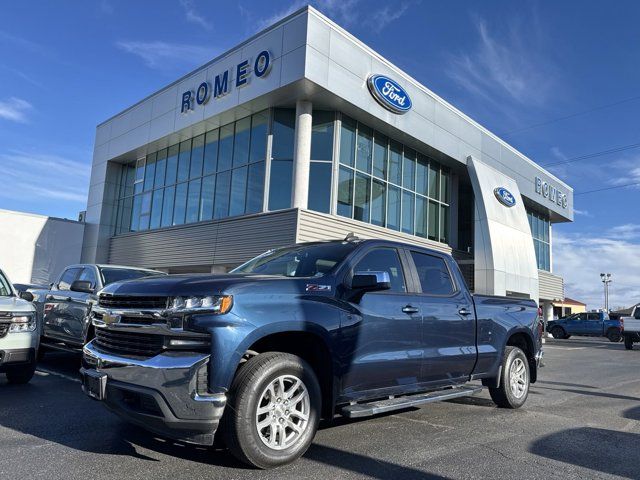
<point x="41" y="352"/>
<point x="628" y="342"/>
<point x="558" y="333"/>
<point x="508" y="395"/>
<point x="22" y="374"/>
<point x="257" y="386"/>
<point x="614" y="335"/>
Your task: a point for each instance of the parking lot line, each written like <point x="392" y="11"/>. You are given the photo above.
<point x="43" y="372"/>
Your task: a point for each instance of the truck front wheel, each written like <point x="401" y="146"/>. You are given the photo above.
<point x="273" y="410"/>
<point x="628" y="342"/>
<point x="514" y="380"/>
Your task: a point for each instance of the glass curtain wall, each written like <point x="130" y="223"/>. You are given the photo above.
<point x="383" y="182"/>
<point x="215" y="175"/>
<point x="540" y="227"/>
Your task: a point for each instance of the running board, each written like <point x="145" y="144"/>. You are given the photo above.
<point x="358" y="410"/>
<point x="60" y="347"/>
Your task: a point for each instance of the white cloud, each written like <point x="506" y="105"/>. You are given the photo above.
<point x="344" y="12"/>
<point x="193" y="16"/>
<point x="509" y="64"/>
<point x="580" y="258"/>
<point x="15" y="109"/>
<point x="584" y="213"/>
<point x="163" y="55"/>
<point x="44" y="176"/>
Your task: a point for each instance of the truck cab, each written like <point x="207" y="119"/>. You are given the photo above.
<point x="18" y="334"/>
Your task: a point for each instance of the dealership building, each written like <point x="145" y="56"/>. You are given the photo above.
<point x="303" y="133"/>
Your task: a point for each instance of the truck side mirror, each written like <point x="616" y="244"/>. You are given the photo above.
<point x="371" y="281"/>
<point x="81" y="286"/>
<point x="28" y="296"/>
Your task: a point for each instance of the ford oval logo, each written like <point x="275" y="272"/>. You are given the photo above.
<point x="389" y="94"/>
<point x="505" y="197"/>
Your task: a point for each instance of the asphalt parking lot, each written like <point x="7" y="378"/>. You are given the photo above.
<point x="582" y="420"/>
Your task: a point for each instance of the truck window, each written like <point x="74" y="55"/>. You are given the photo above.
<point x="88" y="275"/>
<point x="5" y="288"/>
<point x="68" y="277"/>
<point x="637" y="314"/>
<point x="433" y="274"/>
<point x="384" y="260"/>
<point x="593" y="316"/>
<point x="312" y="260"/>
<point x="110" y="275"/>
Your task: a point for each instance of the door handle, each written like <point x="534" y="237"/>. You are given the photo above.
<point x="464" y="311"/>
<point x="410" y="309"/>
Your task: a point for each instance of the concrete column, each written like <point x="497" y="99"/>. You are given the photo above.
<point x="302" y="155"/>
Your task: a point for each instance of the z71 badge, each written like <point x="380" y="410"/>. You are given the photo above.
<point x="312" y="287"/>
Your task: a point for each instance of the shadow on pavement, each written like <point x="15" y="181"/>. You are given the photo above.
<point x="597" y="449"/>
<point x="614" y="396"/>
<point x="364" y="465"/>
<point x="563" y="384"/>
<point x="632" y="414"/>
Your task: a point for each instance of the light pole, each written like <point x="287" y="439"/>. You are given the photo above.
<point x="606" y="280"/>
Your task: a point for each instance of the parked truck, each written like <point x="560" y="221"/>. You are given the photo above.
<point x="589" y="324"/>
<point x="632" y="328"/>
<point x="65" y="307"/>
<point x="258" y="356"/>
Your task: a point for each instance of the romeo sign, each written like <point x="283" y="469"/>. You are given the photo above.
<point x="223" y="82"/>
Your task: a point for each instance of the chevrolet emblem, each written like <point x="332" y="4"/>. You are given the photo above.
<point x="108" y="319"/>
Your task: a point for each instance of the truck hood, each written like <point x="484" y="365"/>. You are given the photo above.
<point x="186" y="285"/>
<point x="15" y="304"/>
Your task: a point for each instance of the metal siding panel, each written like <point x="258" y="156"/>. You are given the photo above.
<point x="222" y="242"/>
<point x="551" y="286"/>
<point x="315" y="226"/>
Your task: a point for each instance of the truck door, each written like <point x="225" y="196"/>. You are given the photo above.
<point x="74" y="323"/>
<point x="382" y="339"/>
<point x="593" y="325"/>
<point x="56" y="307"/>
<point x="449" y="322"/>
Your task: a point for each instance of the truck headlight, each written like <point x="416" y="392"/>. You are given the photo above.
<point x="23" y="322"/>
<point x="217" y="304"/>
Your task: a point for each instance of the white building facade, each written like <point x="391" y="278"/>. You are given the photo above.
<point x="304" y="133"/>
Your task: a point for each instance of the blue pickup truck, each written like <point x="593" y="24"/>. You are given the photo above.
<point x="258" y="356"/>
<point x="592" y="324"/>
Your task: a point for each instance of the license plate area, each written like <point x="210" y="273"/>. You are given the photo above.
<point x="94" y="384"/>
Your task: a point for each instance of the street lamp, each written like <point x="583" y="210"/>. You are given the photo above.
<point x="606" y="280"/>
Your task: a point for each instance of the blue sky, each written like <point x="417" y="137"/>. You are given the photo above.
<point x="518" y="68"/>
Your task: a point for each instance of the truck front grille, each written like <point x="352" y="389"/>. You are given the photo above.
<point x="4" y="328"/>
<point x="132" y="302"/>
<point x="128" y="343"/>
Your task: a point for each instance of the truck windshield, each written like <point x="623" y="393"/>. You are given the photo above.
<point x="312" y="260"/>
<point x="5" y="288"/>
<point x="110" y="275"/>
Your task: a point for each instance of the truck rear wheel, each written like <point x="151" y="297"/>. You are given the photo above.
<point x="273" y="410"/>
<point x="614" y="335"/>
<point x="21" y="374"/>
<point x="514" y="380"/>
<point x="558" y="332"/>
<point x="628" y="342"/>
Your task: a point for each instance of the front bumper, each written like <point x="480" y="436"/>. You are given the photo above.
<point x="161" y="393"/>
<point x="18" y="348"/>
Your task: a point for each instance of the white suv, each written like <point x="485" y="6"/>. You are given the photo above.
<point x="19" y="336"/>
